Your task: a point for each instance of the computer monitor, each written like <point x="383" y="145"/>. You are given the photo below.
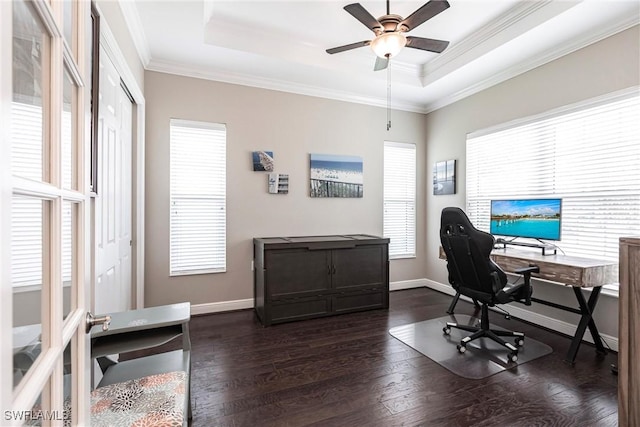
<point x="532" y="218"/>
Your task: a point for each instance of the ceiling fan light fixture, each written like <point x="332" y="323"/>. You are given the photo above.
<point x="388" y="45"/>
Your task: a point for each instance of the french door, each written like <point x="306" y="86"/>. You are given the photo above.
<point x="45" y="250"/>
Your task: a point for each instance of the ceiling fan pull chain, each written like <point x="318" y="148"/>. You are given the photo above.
<point x="389" y="95"/>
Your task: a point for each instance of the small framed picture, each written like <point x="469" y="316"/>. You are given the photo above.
<point x="263" y="161"/>
<point x="444" y="177"/>
<point x="278" y="183"/>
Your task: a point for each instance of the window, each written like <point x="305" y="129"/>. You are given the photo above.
<point x="588" y="155"/>
<point x="197" y="197"/>
<point x="400" y="198"/>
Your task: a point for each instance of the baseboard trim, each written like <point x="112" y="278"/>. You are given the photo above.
<point x="517" y="312"/>
<point x="407" y="284"/>
<point x="533" y="317"/>
<point x="218" y="307"/>
<point x="242" y="304"/>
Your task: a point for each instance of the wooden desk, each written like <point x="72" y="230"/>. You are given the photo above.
<point x="564" y="270"/>
<point x="560" y="269"/>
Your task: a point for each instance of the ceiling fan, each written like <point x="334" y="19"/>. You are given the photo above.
<point x="389" y="30"/>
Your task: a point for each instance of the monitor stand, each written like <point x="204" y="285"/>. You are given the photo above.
<point x="547" y="249"/>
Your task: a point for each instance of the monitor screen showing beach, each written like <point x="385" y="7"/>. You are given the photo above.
<point x="532" y="218"/>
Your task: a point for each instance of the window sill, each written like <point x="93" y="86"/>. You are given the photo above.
<point x="33" y="288"/>
<point x="395" y="257"/>
<point x="196" y="272"/>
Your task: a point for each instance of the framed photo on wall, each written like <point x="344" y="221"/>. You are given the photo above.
<point x="262" y="161"/>
<point x="444" y="177"/>
<point x="335" y="176"/>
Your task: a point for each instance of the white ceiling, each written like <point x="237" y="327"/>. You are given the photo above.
<point x="281" y="44"/>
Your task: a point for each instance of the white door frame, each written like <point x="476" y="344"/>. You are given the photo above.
<point x="45" y="377"/>
<point x="8" y="399"/>
<point x="110" y="45"/>
<point x="6" y="292"/>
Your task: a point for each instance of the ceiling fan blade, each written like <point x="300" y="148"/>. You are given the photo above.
<point x="432" y="45"/>
<point x="348" y="47"/>
<point x="423" y="14"/>
<point x="360" y="13"/>
<point x="381" y="63"/>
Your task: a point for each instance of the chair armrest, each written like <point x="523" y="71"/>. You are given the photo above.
<point x="527" y="289"/>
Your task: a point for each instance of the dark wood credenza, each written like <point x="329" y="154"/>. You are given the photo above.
<point x="304" y="277"/>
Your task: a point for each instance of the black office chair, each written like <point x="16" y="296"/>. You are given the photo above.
<point x="472" y="273"/>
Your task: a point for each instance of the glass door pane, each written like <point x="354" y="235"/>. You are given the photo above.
<point x="69" y="221"/>
<point x="68" y="22"/>
<point x="68" y="134"/>
<point x="29" y="277"/>
<point x="30" y="83"/>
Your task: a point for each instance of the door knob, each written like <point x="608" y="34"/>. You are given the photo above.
<point x="103" y="320"/>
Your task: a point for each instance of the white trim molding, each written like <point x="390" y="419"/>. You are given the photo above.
<point x="170" y="67"/>
<point x="108" y="41"/>
<point x="134" y="23"/>
<point x="408" y="284"/>
<point x="515" y="311"/>
<point x="562" y="49"/>
<point x="219" y="307"/>
<point x="243" y="304"/>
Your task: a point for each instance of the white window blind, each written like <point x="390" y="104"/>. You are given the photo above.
<point x="400" y="198"/>
<point x="587" y="155"/>
<point x="197" y="197"/>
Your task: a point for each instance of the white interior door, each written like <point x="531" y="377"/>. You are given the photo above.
<point x="113" y="206"/>
<point x="45" y="222"/>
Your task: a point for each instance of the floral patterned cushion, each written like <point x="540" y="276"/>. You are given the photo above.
<point x="156" y="400"/>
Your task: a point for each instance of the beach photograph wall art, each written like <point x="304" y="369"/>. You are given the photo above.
<point x="262" y="161"/>
<point x="278" y="183"/>
<point x="336" y="175"/>
<point x="444" y="177"/>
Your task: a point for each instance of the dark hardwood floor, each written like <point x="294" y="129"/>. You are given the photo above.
<point x="348" y="371"/>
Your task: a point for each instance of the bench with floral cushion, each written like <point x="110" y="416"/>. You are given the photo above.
<point x="151" y="390"/>
<point x="155" y="400"/>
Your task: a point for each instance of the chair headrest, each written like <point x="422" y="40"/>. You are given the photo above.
<point x="453" y="220"/>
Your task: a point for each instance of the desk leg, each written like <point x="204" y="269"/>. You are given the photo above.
<point x="586" y="309"/>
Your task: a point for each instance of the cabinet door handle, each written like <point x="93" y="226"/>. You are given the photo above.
<point x="333" y="270"/>
<point x="329" y="270"/>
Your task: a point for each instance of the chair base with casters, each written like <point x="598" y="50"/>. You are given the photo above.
<point x="484" y="331"/>
<point x="519" y="293"/>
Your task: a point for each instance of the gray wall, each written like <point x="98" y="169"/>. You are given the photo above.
<point x="293" y="126"/>
<point x="610" y="65"/>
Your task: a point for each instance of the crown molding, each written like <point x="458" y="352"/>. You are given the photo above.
<point x="482" y="38"/>
<point x="239" y="37"/>
<point x="513" y="22"/>
<point x="134" y="24"/>
<point x="561" y="50"/>
<point x="277" y="85"/>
